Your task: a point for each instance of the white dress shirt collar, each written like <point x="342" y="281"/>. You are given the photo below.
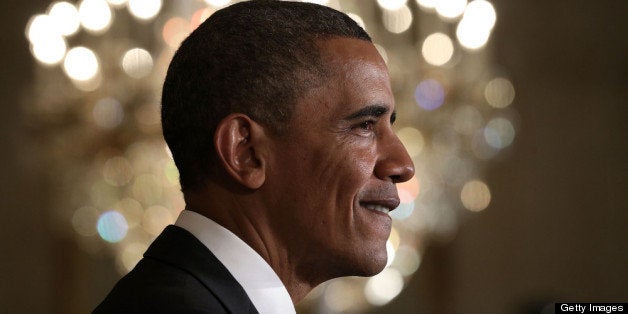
<point x="258" y="279"/>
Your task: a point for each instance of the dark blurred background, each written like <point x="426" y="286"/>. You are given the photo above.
<point x="556" y="228"/>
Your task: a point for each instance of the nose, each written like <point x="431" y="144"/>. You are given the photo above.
<point x="394" y="163"/>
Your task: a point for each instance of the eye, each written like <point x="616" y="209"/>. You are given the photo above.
<point x="366" y="125"/>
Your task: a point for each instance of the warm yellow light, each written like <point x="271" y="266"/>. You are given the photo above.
<point x="407" y="260"/>
<point x="412" y="139"/>
<point x="358" y="19"/>
<point x="391" y="4"/>
<point x="117" y="171"/>
<point x="81" y="64"/>
<point x="390" y="252"/>
<point x="117" y="3"/>
<point x="481" y="13"/>
<point x="437" y="49"/>
<point x="66" y="17"/>
<point x="137" y="63"/>
<point x="340" y="295"/>
<point x="427" y="4"/>
<point x="450" y="9"/>
<point x="499" y="92"/>
<point x="95" y="15"/>
<point x="146" y="188"/>
<point x="132" y="211"/>
<point x="84" y="221"/>
<point x="382" y="52"/>
<point x="131" y="254"/>
<point x="467" y="120"/>
<point x="175" y="30"/>
<point x="475" y="195"/>
<point x="199" y="17"/>
<point x="144" y="9"/>
<point x="41" y="27"/>
<point x="156" y="218"/>
<point x="472" y="36"/>
<point x="49" y="51"/>
<point x="397" y="20"/>
<point x="218" y="3"/>
<point x="383" y="287"/>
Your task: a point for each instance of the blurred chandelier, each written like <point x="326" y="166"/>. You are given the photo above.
<point x="95" y="116"/>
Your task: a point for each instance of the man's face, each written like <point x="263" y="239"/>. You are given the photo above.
<point x="332" y="175"/>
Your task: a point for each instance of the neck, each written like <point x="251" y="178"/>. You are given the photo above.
<point x="236" y="214"/>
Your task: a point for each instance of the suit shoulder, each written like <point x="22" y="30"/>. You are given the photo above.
<point x="156" y="287"/>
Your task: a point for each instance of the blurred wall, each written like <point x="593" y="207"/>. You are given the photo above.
<point x="556" y="227"/>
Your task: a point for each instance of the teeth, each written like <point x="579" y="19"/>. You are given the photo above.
<point x="378" y="208"/>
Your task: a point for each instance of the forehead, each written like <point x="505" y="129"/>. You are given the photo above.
<point x="358" y="77"/>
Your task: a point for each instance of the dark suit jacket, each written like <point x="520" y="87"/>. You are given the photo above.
<point x="178" y="274"/>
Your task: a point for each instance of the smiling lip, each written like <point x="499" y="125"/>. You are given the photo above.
<point x="382" y="206"/>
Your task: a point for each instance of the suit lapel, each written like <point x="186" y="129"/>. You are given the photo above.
<point x="179" y="248"/>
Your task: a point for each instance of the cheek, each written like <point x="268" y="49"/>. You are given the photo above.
<point x="345" y="168"/>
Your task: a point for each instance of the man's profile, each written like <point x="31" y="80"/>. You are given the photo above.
<point x="279" y="118"/>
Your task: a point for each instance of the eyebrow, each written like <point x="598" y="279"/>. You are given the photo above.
<point x="375" y="111"/>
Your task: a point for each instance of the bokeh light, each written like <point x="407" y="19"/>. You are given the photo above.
<point x="437" y="49"/>
<point x="480" y="13"/>
<point x="131" y="254"/>
<point x="427" y="4"/>
<point x="112" y="226"/>
<point x="84" y="221"/>
<point x="137" y="63"/>
<point x="474" y="29"/>
<point x="467" y="120"/>
<point x="144" y="9"/>
<point x="156" y="218"/>
<point x="499" y="133"/>
<point x="81" y="64"/>
<point x="132" y="211"/>
<point x="117" y="3"/>
<point x="175" y="30"/>
<point x="199" y="17"/>
<point x="66" y="17"/>
<point x="108" y="113"/>
<point x="117" y="171"/>
<point x="147" y="189"/>
<point x="218" y="3"/>
<point x="407" y="260"/>
<point x="49" y="51"/>
<point x="429" y="94"/>
<point x="471" y="36"/>
<point x="40" y="28"/>
<point x="95" y="15"/>
<point x="358" y="19"/>
<point x="412" y="139"/>
<point x="450" y="9"/>
<point x="397" y="20"/>
<point x="341" y="295"/>
<point x="391" y="4"/>
<point x="475" y="195"/>
<point x="390" y="253"/>
<point x="383" y="287"/>
<point x="499" y="92"/>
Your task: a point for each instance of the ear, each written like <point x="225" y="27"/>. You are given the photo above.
<point x="239" y="143"/>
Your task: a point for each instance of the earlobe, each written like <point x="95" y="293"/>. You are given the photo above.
<point x="239" y="145"/>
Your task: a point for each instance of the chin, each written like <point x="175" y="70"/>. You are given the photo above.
<point x="370" y="265"/>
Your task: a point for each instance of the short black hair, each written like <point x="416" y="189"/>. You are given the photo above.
<point x="255" y="57"/>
